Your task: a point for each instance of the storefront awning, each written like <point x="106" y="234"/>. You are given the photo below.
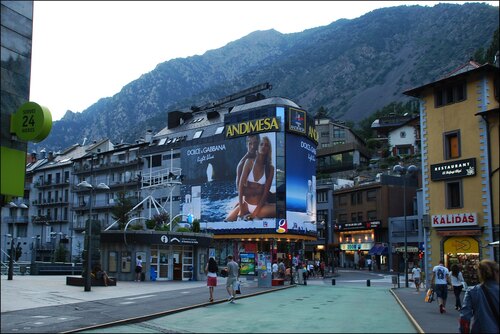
<point x="378" y="250"/>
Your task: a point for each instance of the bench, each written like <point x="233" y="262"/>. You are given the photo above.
<point x="277" y="281"/>
<point x="80" y="281"/>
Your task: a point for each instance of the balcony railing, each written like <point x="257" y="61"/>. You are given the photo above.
<point x="13" y="220"/>
<point x="85" y="168"/>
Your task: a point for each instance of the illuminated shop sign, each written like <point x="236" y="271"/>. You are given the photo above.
<point x="355" y="247"/>
<point x="452" y="220"/>
<point x="358" y="225"/>
<point x="453" y="169"/>
<point x="253" y="126"/>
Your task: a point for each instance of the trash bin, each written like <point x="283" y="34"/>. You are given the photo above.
<point x="395" y="280"/>
<point x="153" y="274"/>
<point x="22" y="270"/>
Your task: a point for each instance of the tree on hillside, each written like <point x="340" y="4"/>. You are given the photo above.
<point x="322" y="113"/>
<point x="481" y="56"/>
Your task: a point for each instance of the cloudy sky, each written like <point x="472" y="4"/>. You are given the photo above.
<point x="87" y="50"/>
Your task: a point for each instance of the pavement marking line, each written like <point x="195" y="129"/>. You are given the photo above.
<point x="127" y="303"/>
<point x="408" y="314"/>
<point x="139" y="297"/>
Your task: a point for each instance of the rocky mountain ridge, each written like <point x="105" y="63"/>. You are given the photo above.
<point x="351" y="67"/>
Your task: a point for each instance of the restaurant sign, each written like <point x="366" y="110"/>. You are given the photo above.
<point x="456" y="219"/>
<point x="453" y="169"/>
<point x="358" y="225"/>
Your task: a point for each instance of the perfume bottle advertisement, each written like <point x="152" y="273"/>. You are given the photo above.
<point x="300" y="183"/>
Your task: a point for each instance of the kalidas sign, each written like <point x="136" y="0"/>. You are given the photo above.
<point x="457" y="219"/>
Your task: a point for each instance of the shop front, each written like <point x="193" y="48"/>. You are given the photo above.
<point x="357" y="243"/>
<point x="460" y="242"/>
<point x="464" y="251"/>
<point x="166" y="256"/>
<point x="398" y="253"/>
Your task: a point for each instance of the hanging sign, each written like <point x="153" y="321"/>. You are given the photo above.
<point x="31" y="122"/>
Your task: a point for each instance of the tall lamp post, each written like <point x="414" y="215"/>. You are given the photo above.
<point x="88" y="231"/>
<point x="402" y="170"/>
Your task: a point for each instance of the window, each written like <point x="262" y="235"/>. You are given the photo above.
<point x="322" y="215"/>
<point x="356" y="198"/>
<point x="371" y="195"/>
<point x="197" y="134"/>
<point x="403" y="150"/>
<point x="360" y="216"/>
<point x="338" y="133"/>
<point x="454" y="194"/>
<point x="324" y="135"/>
<point x="156" y="160"/>
<point x="322" y="196"/>
<point x="450" y="94"/>
<point x="452" y="144"/>
<point x="342" y="200"/>
<point x="372" y="215"/>
<point x="402" y="134"/>
<point x="354" y="217"/>
<point x="342" y="218"/>
<point x="219" y="130"/>
<point x="22" y="230"/>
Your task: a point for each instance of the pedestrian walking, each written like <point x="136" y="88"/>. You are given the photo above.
<point x="479" y="313"/>
<point x="281" y="269"/>
<point x="211" y="270"/>
<point x="457" y="282"/>
<point x="440" y="279"/>
<point x="416" y="273"/>
<point x="233" y="272"/>
<point x="138" y="268"/>
<point x="369" y="263"/>
<point x="275" y="270"/>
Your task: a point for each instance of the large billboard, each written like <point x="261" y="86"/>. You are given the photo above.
<point x="216" y="174"/>
<point x="300" y="185"/>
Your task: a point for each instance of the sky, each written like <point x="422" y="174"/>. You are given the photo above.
<point x="83" y="51"/>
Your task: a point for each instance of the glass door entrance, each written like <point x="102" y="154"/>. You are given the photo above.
<point x="159" y="261"/>
<point x="175" y="263"/>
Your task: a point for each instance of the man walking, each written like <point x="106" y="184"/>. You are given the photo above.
<point x="440" y="279"/>
<point x="233" y="272"/>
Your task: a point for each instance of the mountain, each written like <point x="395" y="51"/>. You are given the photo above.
<point x="351" y="67"/>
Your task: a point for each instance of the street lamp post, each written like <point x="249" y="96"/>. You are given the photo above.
<point x="88" y="230"/>
<point x="401" y="170"/>
<point x="10" y="273"/>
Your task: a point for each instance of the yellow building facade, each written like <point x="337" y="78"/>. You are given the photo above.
<point x="459" y="117"/>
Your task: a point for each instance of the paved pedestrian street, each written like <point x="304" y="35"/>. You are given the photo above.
<point x="303" y="309"/>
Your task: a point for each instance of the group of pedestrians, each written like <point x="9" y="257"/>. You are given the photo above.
<point x="480" y="307"/>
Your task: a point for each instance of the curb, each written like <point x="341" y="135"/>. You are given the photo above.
<point x="408" y="314"/>
<point x="165" y="313"/>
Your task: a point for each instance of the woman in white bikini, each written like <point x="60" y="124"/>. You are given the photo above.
<point x="254" y="185"/>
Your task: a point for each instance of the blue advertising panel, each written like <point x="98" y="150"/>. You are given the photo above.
<point x="300" y="186"/>
<point x="211" y="187"/>
<point x="247" y="264"/>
